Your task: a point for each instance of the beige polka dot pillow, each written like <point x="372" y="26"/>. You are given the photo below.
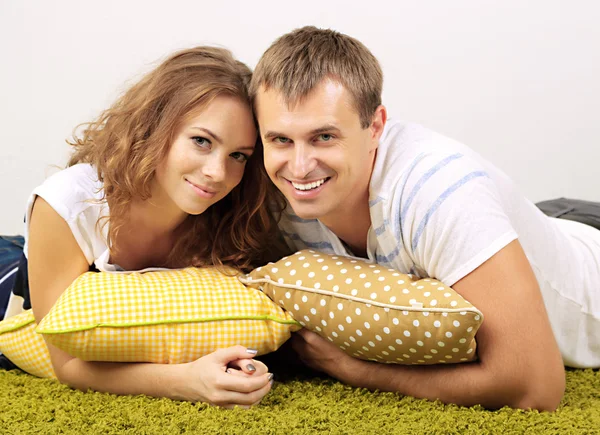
<point x="372" y="312"/>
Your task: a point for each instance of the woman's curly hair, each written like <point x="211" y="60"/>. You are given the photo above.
<point x="128" y="141"/>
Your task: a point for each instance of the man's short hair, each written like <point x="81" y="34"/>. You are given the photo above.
<point x="298" y="61"/>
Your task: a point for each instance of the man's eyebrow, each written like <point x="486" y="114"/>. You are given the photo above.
<point x="210" y="133"/>
<point x="324" y="129"/>
<point x="273" y="134"/>
<point x="320" y="130"/>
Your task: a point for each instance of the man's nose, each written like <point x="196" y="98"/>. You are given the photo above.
<point x="303" y="161"/>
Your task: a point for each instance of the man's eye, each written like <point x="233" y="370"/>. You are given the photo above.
<point x="201" y="141"/>
<point x="325" y="137"/>
<point x="282" y="139"/>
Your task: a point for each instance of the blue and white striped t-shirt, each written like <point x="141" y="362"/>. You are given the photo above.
<point x="440" y="210"/>
<point x="421" y="191"/>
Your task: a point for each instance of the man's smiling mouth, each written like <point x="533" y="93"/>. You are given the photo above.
<point x="310" y="185"/>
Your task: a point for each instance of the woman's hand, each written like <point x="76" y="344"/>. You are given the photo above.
<point x="55" y="261"/>
<point x="247" y="367"/>
<point x="227" y="378"/>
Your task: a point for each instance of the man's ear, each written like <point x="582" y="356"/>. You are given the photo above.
<point x="378" y="123"/>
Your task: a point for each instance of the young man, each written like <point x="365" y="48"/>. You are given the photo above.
<point x="400" y="195"/>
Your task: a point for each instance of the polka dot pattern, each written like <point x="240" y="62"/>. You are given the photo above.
<point x="372" y="312"/>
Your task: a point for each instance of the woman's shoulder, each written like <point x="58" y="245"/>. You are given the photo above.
<point x="71" y="190"/>
<point x="76" y="194"/>
<point x="81" y="176"/>
<point x="80" y="181"/>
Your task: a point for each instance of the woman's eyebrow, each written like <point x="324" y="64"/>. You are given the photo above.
<point x="210" y="133"/>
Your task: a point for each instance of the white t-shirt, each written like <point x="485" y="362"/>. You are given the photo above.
<point x="75" y="193"/>
<point x="438" y="209"/>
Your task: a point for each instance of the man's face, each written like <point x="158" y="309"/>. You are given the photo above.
<point x="316" y="152"/>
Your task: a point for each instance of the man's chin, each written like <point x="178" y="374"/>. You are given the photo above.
<point x="307" y="208"/>
<point x="306" y="213"/>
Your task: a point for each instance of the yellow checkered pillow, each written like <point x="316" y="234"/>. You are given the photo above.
<point x="21" y="345"/>
<point x="171" y="316"/>
<point x="372" y="312"/>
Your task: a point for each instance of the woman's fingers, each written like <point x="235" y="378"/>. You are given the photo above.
<point x="216" y="378"/>
<point x="249" y="366"/>
<point x="240" y="382"/>
<point x="228" y="354"/>
<point x="245" y="400"/>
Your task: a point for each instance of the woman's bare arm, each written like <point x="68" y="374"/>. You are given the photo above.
<point x="55" y="260"/>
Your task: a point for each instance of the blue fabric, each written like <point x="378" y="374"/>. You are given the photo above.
<point x="11" y="251"/>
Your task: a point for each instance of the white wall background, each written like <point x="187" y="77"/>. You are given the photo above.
<point x="517" y="81"/>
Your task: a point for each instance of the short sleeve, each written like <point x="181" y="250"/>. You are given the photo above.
<point x="74" y="194"/>
<point x="451" y="217"/>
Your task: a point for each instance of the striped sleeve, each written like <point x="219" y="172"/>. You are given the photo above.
<point x="301" y="233"/>
<point x="449" y="216"/>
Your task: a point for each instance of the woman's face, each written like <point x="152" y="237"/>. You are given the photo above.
<point x="207" y="158"/>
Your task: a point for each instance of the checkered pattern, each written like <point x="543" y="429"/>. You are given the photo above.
<point x="25" y="348"/>
<point x="172" y="316"/>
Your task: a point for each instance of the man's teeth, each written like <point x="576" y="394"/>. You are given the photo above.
<point x="308" y="186"/>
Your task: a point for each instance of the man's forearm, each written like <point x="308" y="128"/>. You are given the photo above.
<point x="465" y="384"/>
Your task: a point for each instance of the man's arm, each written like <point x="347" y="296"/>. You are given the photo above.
<point x="519" y="361"/>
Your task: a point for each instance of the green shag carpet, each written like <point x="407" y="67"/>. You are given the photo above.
<point x="300" y="403"/>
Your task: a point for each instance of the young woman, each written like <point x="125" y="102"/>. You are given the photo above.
<point x="170" y="176"/>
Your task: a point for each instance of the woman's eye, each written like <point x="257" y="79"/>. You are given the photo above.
<point x="201" y="141"/>
<point x="325" y="137"/>
<point x="240" y="157"/>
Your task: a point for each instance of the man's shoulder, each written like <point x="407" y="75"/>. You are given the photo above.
<point x="411" y="156"/>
